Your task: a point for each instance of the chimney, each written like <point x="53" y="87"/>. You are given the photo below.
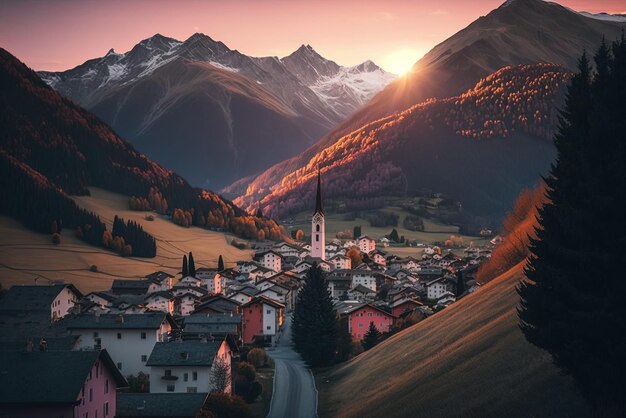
<point x="185" y="355"/>
<point x="43" y="345"/>
<point x="29" y="345"/>
<point x="120" y="319"/>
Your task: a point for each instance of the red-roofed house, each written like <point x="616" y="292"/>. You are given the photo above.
<point x="262" y="319"/>
<point x="360" y="316"/>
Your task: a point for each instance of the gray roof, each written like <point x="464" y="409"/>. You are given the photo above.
<point x="212" y="319"/>
<point x="211" y="329"/>
<point x="148" y="320"/>
<point x="159" y="405"/>
<point x="131" y="286"/>
<point x="32" y="297"/>
<point x="48" y="377"/>
<point x="184" y="353"/>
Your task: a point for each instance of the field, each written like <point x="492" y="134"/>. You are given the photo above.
<point x="433" y="232"/>
<point x="26" y="255"/>
<point x="470" y="360"/>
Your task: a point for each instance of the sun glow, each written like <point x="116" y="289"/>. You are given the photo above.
<point x="400" y="62"/>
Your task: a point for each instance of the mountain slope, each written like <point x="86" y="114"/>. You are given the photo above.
<point x="47" y="143"/>
<point x="481" y="147"/>
<point x="470" y="360"/>
<point x="153" y="96"/>
<point x="515" y="33"/>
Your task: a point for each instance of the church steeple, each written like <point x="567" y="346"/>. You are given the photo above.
<point x="318" y="230"/>
<point x="319" y="207"/>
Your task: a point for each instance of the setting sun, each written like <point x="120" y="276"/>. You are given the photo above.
<point x="400" y="62"/>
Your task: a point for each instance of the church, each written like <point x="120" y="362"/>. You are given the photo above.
<point x="318" y="233"/>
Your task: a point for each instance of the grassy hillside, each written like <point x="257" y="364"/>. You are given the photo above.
<point x="470" y="360"/>
<point x="25" y="254"/>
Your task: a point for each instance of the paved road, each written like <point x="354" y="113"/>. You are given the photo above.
<point x="294" y="394"/>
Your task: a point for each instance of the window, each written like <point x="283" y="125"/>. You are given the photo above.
<point x="269" y="311"/>
<point x="369" y="314"/>
<point x="360" y="325"/>
<point x="195" y="375"/>
<point x="269" y="327"/>
<point x="106" y="409"/>
<point x="144" y="358"/>
<point x="106" y="390"/>
<point x="317" y="228"/>
<point x="119" y="366"/>
<point x="168" y="372"/>
<point x="143" y="335"/>
<point x="192" y="389"/>
<point x="90" y="394"/>
<point x="119" y="335"/>
<point x="186" y="377"/>
<point x="170" y="388"/>
<point x="95" y="335"/>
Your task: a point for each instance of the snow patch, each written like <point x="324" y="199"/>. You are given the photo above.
<point x="223" y="67"/>
<point x="604" y="16"/>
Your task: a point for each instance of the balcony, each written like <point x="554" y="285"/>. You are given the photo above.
<point x="169" y="377"/>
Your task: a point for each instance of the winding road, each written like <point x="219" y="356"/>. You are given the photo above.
<point x="294" y="394"/>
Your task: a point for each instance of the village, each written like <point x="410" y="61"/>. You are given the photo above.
<point x="147" y="342"/>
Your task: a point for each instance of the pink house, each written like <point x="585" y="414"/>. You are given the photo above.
<point x="67" y="384"/>
<point x="360" y="316"/>
<point x="404" y="305"/>
<point x="262" y="319"/>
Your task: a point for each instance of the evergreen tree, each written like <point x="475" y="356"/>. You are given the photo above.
<point x="220" y="263"/>
<point x="356" y="231"/>
<point x="460" y="283"/>
<point x="371" y="337"/>
<point x="192" y="266"/>
<point x="394" y="235"/>
<point x="185" y="271"/>
<point x="572" y="301"/>
<point x="314" y="323"/>
<point x="344" y="340"/>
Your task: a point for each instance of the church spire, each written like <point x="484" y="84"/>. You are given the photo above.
<point x="319" y="208"/>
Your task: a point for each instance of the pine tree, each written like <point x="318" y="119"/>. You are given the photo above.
<point x="314" y="323"/>
<point x="394" y="235"/>
<point x="185" y="271"/>
<point x="572" y="301"/>
<point x="220" y="263"/>
<point x="460" y="283"/>
<point x="192" y="266"/>
<point x="371" y="337"/>
<point x="356" y="231"/>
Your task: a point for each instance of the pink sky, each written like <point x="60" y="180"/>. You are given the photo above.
<point x="57" y="35"/>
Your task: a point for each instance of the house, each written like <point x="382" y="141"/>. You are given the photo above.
<point x="366" y="244"/>
<point x="103" y="299"/>
<point x="160" y="405"/>
<point x="189" y="281"/>
<point x="341" y="262"/>
<point x="246" y="266"/>
<point x="53" y="300"/>
<point x="195" y="290"/>
<point x="65" y="384"/>
<point x="362" y="294"/>
<point x="200" y="326"/>
<point x="445" y="299"/>
<point x="160" y="301"/>
<point x="262" y="320"/>
<point x="287" y="250"/>
<point x="217" y="304"/>
<point x="339" y="285"/>
<point x="134" y="286"/>
<point x="363" y="277"/>
<point x="402" y="306"/>
<point x="378" y="257"/>
<point x="185" y="304"/>
<point x="163" y="279"/>
<point x="349" y="244"/>
<point x="280" y="294"/>
<point x="360" y="316"/>
<point x="211" y="280"/>
<point x="186" y="366"/>
<point x="436" y="288"/>
<point x="244" y="294"/>
<point x="129" y="339"/>
<point x="408" y="263"/>
<point x="384" y="241"/>
<point x="270" y="260"/>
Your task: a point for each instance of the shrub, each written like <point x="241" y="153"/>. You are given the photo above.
<point x="93" y="268"/>
<point x="249" y="391"/>
<point x="56" y="238"/>
<point x="247" y="371"/>
<point x="227" y="406"/>
<point x="257" y="357"/>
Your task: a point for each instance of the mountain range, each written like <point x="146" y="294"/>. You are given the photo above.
<point x="214" y="114"/>
<point x="50" y="148"/>
<point x="514" y="34"/>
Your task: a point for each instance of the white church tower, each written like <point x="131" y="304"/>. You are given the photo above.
<point x="318" y="233"/>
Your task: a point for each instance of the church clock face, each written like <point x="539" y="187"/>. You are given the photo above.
<point x="318" y="218"/>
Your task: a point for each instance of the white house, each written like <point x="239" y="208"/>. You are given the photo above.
<point x="160" y="301"/>
<point x="341" y="262"/>
<point x="436" y="288"/>
<point x="187" y="366"/>
<point x="129" y="339"/>
<point x="287" y="250"/>
<point x="185" y="303"/>
<point x="54" y="300"/>
<point x="365" y="278"/>
<point x="189" y="281"/>
<point x="270" y="260"/>
<point x="366" y="244"/>
<point x="245" y="267"/>
<point x="379" y="258"/>
<point x="211" y="280"/>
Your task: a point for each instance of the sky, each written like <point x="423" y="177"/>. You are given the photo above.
<point x="60" y="34"/>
